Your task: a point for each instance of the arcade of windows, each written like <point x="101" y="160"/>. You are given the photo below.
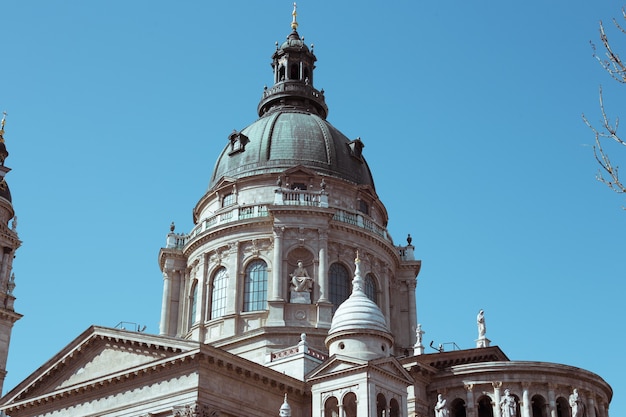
<point x="539" y="407"/>
<point x="349" y="401"/>
<point x="255" y="289"/>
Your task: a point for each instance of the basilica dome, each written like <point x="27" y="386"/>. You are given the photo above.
<point x="292" y="129"/>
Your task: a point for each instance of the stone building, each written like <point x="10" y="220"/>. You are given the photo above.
<point x="288" y="297"/>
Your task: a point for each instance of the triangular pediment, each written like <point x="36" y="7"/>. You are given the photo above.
<point x="341" y="365"/>
<point x="334" y="365"/>
<point x="224" y="181"/>
<point x="299" y="170"/>
<point x="96" y="353"/>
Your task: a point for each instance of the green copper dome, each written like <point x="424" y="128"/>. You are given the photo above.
<point x="286" y="138"/>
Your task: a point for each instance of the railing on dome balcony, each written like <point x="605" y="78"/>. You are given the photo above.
<point x="235" y="213"/>
<point x="291" y="87"/>
<point x="282" y="197"/>
<point x="359" y="220"/>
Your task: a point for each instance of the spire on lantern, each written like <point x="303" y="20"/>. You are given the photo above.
<point x="4" y="118"/>
<point x="294" y="23"/>
<point x="3" y="149"/>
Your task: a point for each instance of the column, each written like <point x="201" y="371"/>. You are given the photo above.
<point x="591" y="406"/>
<point x="202" y="296"/>
<point x="385" y="282"/>
<point x="496" y="394"/>
<point x="552" y="399"/>
<point x="5" y="270"/>
<point x="526" y="410"/>
<point x="470" y="407"/>
<point x="165" y="304"/>
<point x="277" y="281"/>
<point x="412" y="284"/>
<point x="322" y="271"/>
<point x="602" y="410"/>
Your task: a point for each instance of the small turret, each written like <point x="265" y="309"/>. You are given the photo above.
<point x="9" y="242"/>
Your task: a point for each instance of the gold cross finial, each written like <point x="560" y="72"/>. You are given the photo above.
<point x="294" y="23"/>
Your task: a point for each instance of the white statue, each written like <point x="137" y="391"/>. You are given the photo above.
<point x="578" y="408"/>
<point x="440" y="408"/>
<point x="300" y="279"/>
<point x="508" y="406"/>
<point x="480" y="320"/>
<point x="418" y="334"/>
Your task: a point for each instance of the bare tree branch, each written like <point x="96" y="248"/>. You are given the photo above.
<point x="613" y="64"/>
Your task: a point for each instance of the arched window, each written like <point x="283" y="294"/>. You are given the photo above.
<point x="539" y="406"/>
<point x="294" y="71"/>
<point x="218" y="293"/>
<point x="331" y="407"/>
<point x="370" y="288"/>
<point x="339" y="280"/>
<point x="381" y="405"/>
<point x="485" y="409"/>
<point x="562" y="407"/>
<point x="394" y="408"/>
<point x="255" y="286"/>
<point x="193" y="302"/>
<point x="349" y="405"/>
<point x="457" y="408"/>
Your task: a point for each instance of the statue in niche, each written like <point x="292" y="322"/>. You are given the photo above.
<point x="480" y="321"/>
<point x="508" y="406"/>
<point x="440" y="408"/>
<point x="300" y="279"/>
<point x="578" y="408"/>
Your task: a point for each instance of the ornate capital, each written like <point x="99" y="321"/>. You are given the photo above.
<point x="194" y="410"/>
<point x="497" y="384"/>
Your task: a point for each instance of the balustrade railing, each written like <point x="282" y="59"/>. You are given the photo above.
<point x="282" y="197"/>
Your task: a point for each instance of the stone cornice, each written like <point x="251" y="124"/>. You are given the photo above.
<point x="369" y="236"/>
<point x="489" y="371"/>
<point x="228" y="229"/>
<point x="224" y="362"/>
<point x="165" y="253"/>
<point x="9" y="315"/>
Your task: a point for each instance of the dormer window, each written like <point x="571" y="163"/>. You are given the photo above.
<point x="356" y="148"/>
<point x="229" y="200"/>
<point x="238" y="142"/>
<point x="364" y="207"/>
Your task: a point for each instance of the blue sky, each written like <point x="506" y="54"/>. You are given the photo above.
<point x="470" y="113"/>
